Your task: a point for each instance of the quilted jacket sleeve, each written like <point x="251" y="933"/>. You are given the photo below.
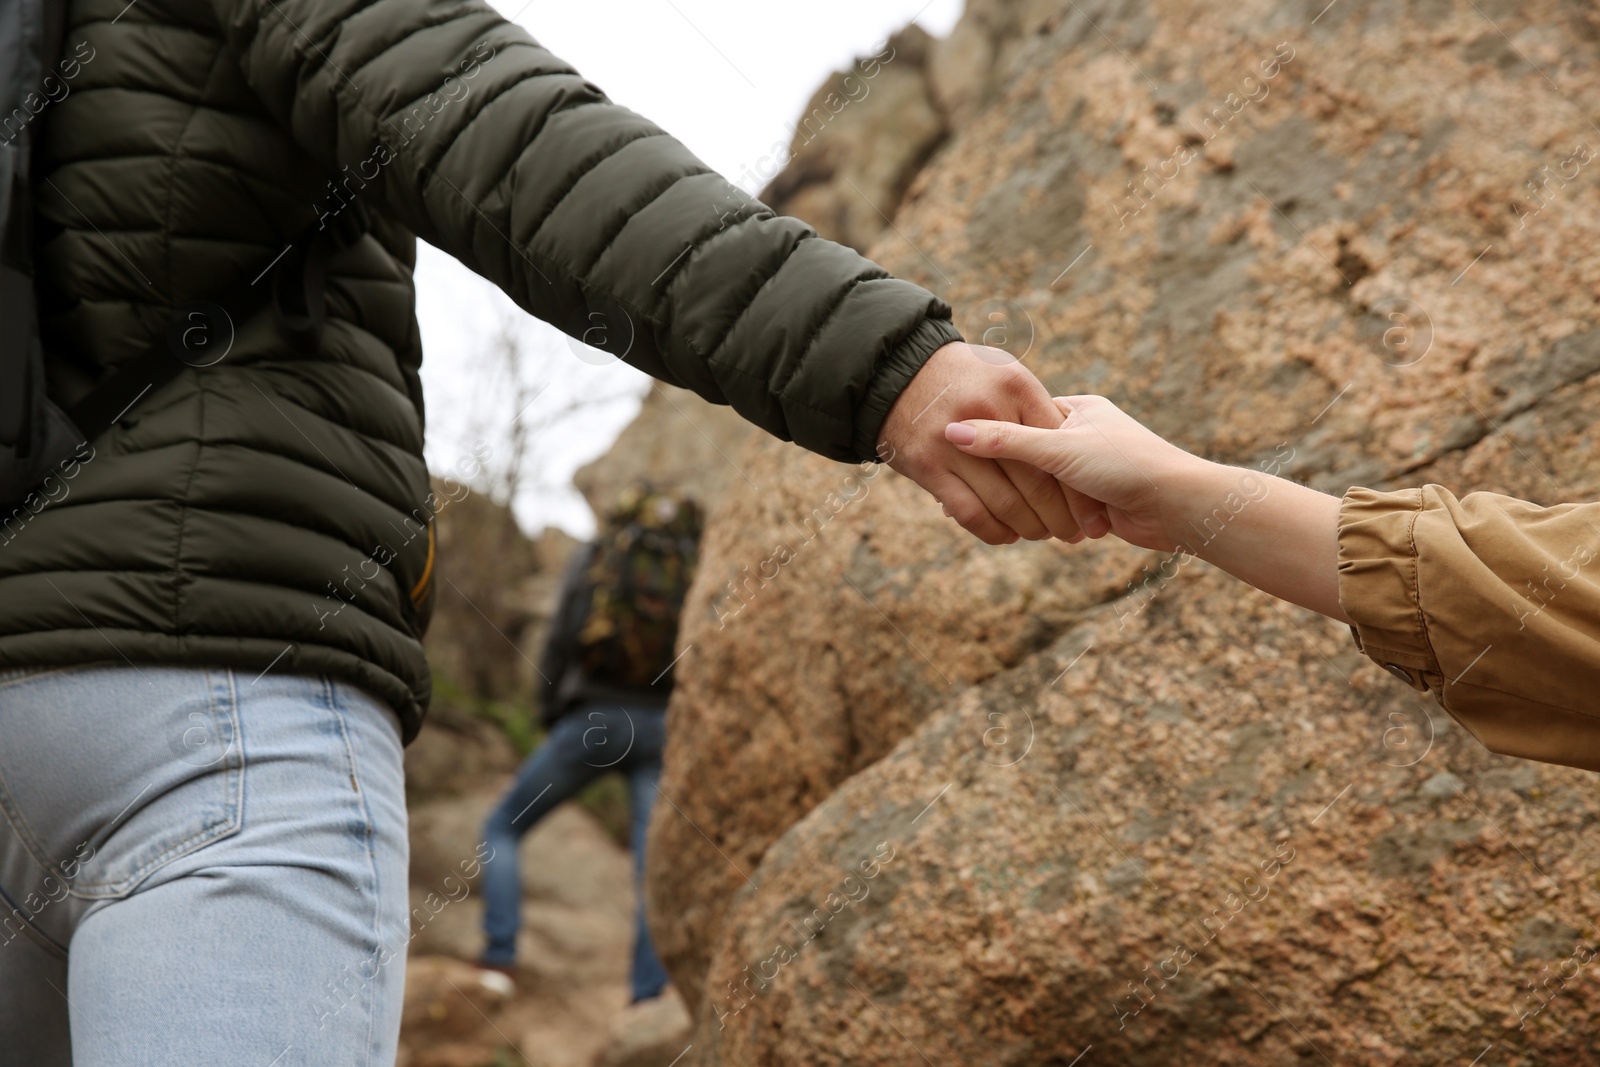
<point x="587" y="215"/>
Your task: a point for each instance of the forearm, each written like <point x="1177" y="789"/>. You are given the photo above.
<point x="460" y="126"/>
<point x="1488" y="601"/>
<point x="1281" y="537"/>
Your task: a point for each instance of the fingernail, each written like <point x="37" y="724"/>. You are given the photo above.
<point x="959" y="433"/>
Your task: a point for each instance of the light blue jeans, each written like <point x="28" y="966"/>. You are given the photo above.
<point x="199" y="867"/>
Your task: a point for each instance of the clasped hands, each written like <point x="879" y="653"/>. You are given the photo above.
<point x="1008" y="461"/>
<point x="961" y="430"/>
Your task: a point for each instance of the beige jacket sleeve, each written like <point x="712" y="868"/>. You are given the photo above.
<point x="1490" y="603"/>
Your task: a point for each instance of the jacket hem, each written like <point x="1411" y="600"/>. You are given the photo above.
<point x="249" y="656"/>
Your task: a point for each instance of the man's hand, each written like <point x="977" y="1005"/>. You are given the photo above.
<point x="997" y="501"/>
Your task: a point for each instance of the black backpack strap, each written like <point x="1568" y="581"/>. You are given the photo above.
<point x="300" y="285"/>
<point x="34" y="434"/>
<point x="33" y="34"/>
<point x="200" y="333"/>
<point x="16" y="377"/>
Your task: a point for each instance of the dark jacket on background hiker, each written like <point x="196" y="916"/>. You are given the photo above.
<point x="274" y="510"/>
<point x="1490" y="603"/>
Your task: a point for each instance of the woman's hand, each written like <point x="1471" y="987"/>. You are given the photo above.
<point x="1118" y="476"/>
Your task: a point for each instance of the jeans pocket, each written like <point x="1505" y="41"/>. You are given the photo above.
<point x="107" y="775"/>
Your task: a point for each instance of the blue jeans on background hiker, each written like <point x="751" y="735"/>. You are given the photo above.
<point x="199" y="866"/>
<point x="587" y="742"/>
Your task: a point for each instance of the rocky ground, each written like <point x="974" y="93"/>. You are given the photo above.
<point x="568" y="1006"/>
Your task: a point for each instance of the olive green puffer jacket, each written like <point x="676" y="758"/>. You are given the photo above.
<point x="273" y="511"/>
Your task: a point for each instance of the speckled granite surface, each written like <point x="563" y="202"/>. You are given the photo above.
<point x="1082" y="784"/>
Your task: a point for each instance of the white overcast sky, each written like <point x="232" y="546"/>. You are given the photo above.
<point x="728" y="78"/>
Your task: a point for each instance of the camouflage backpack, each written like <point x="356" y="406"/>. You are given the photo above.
<point x="643" y="563"/>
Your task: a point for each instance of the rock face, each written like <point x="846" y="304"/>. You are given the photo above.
<point x="863" y="137"/>
<point x="1051" y="805"/>
<point x="800" y="672"/>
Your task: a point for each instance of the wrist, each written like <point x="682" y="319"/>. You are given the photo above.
<point x="1204" y="499"/>
<point x="878" y="435"/>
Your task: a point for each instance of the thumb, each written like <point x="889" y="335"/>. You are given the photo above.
<point x="1045" y="449"/>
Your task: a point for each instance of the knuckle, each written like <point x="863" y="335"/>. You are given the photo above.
<point x="985" y="529"/>
<point x="968" y="514"/>
<point x="1049" y="502"/>
<point x="1015" y="381"/>
<point x="1045" y="488"/>
<point x="1016" y="513"/>
<point x="1088" y="401"/>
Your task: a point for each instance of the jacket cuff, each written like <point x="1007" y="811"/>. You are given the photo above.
<point x="1378" y="580"/>
<point x="889" y="379"/>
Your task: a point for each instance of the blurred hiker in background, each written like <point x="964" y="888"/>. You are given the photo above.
<point x="1484" y="601"/>
<point x="606" y="673"/>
